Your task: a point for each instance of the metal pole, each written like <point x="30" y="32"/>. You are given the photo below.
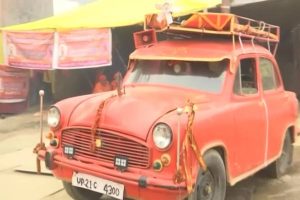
<point x="225" y="7"/>
<point x="41" y="93"/>
<point x="179" y="113"/>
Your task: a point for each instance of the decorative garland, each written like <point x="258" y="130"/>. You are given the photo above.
<point x="185" y="171"/>
<point x="96" y="123"/>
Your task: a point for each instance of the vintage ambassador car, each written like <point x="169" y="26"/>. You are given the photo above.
<point x="202" y="108"/>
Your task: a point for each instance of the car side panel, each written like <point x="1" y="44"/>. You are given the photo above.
<point x="250" y="134"/>
<point x="214" y="128"/>
<point x="279" y="118"/>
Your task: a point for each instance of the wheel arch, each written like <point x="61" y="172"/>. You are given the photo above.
<point x="291" y="130"/>
<point x="222" y="150"/>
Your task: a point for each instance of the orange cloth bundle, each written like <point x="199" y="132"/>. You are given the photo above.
<point x="209" y="21"/>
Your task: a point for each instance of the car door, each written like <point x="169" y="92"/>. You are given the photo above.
<point x="250" y="117"/>
<point x="276" y="101"/>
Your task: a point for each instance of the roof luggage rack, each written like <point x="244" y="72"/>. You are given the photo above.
<point x="220" y="24"/>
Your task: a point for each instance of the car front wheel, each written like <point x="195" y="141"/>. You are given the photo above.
<point x="80" y="193"/>
<point x="210" y="184"/>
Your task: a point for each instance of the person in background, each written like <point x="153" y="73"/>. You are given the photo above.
<point x="35" y="84"/>
<point x="102" y="84"/>
<point x="48" y="85"/>
<point x="114" y="82"/>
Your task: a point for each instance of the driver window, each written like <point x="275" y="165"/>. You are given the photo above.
<point x="245" y="79"/>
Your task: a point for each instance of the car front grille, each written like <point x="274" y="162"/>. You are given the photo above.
<point x="112" y="144"/>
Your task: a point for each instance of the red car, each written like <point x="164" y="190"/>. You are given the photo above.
<point x="193" y="114"/>
<point x="14" y="87"/>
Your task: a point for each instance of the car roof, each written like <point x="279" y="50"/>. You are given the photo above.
<point x="196" y="50"/>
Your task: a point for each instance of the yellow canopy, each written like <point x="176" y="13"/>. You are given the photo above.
<point x="108" y="14"/>
<point x="112" y="13"/>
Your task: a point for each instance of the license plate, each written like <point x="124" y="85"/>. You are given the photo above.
<point x="100" y="185"/>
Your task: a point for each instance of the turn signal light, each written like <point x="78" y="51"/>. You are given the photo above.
<point x="157" y="165"/>
<point x="50" y="135"/>
<point x="54" y="142"/>
<point x="165" y="159"/>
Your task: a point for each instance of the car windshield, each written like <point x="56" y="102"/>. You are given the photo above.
<point x="204" y="76"/>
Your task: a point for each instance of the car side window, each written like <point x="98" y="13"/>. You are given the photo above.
<point x="245" y="79"/>
<point x="268" y="75"/>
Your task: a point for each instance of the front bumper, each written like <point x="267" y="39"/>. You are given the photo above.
<point x="137" y="186"/>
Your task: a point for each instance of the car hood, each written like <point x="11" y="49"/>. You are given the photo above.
<point x="134" y="112"/>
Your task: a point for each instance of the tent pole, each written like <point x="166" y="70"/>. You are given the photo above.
<point x="225" y="7"/>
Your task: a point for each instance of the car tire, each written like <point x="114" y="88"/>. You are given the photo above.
<point x="80" y="193"/>
<point x="282" y="164"/>
<point x="210" y="184"/>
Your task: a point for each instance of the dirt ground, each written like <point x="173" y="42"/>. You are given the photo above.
<point x="20" y="133"/>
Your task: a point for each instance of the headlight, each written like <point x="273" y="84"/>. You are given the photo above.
<point x="53" y="117"/>
<point x="162" y="136"/>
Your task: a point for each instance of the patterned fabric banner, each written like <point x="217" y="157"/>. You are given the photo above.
<point x="29" y="49"/>
<point x="85" y="48"/>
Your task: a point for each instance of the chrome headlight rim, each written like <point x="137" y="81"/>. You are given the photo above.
<point x="54" y="120"/>
<point x="154" y="137"/>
